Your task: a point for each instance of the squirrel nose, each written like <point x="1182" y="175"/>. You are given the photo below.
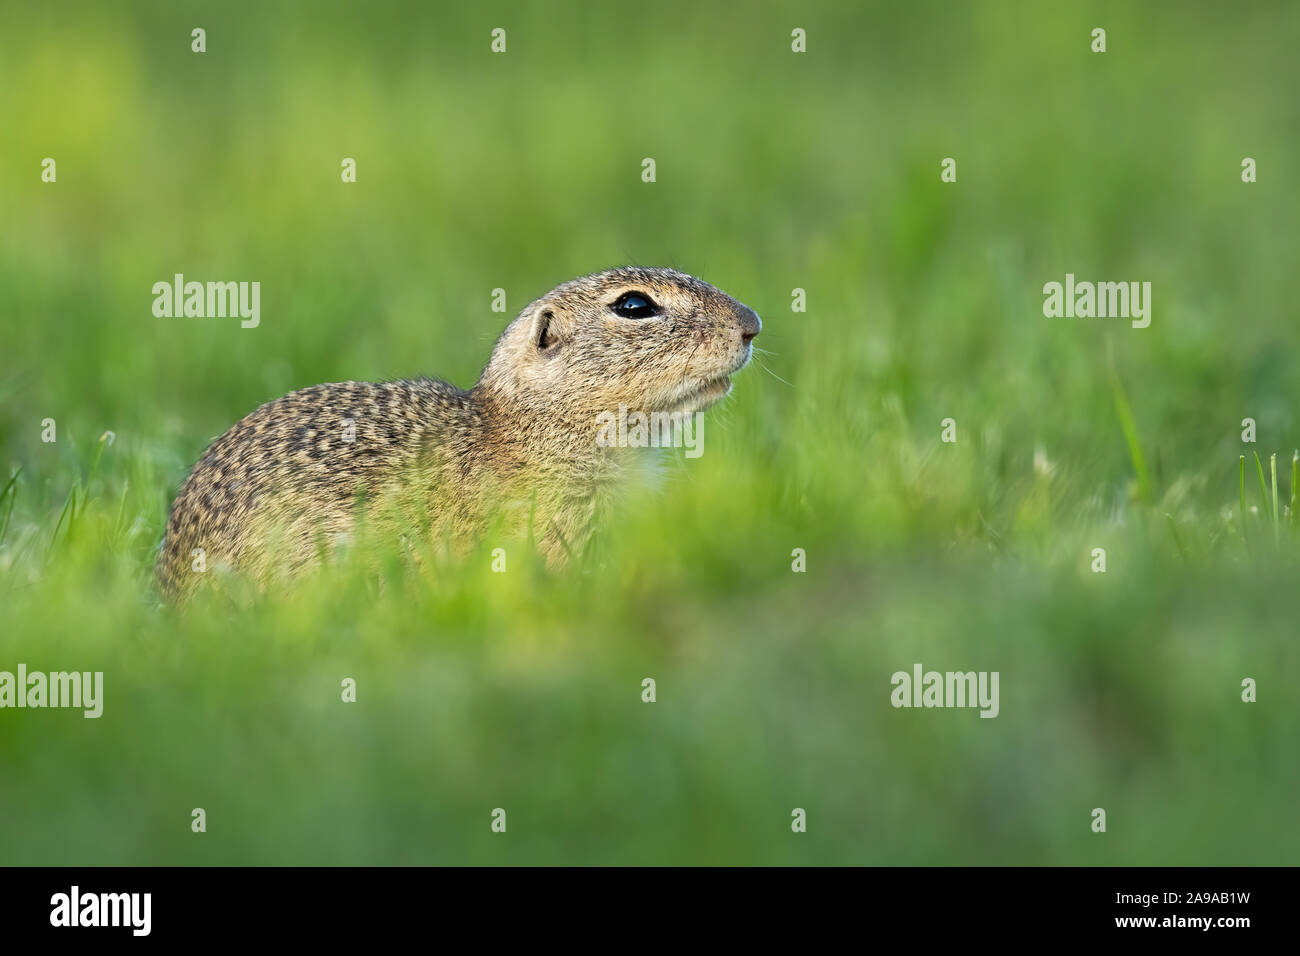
<point x="750" y="324"/>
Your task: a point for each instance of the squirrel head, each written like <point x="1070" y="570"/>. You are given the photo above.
<point x="654" y="340"/>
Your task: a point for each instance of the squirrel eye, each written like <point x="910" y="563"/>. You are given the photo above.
<point x="634" y="305"/>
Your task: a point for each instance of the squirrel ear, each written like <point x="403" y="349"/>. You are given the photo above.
<point x="546" y="333"/>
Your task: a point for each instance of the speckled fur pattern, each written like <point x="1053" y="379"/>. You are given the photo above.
<point x="268" y="492"/>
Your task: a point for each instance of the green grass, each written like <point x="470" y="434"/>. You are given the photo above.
<point x="776" y="171"/>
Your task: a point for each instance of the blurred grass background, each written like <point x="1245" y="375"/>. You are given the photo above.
<point x="775" y="171"/>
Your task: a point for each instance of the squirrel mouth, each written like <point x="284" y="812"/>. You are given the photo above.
<point x="702" y="396"/>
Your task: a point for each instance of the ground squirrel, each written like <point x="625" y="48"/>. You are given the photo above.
<point x="307" y="465"/>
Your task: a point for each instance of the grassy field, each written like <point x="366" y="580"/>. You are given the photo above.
<point x="775" y="171"/>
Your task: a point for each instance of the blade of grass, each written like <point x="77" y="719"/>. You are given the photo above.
<point x="11" y="492"/>
<point x="1128" y="424"/>
<point x="121" y="512"/>
<point x="1241" y="484"/>
<point x="1263" y="485"/>
<point x="107" y="437"/>
<point x="69" y="504"/>
<point x="1272" y="467"/>
<point x="1295" y="486"/>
